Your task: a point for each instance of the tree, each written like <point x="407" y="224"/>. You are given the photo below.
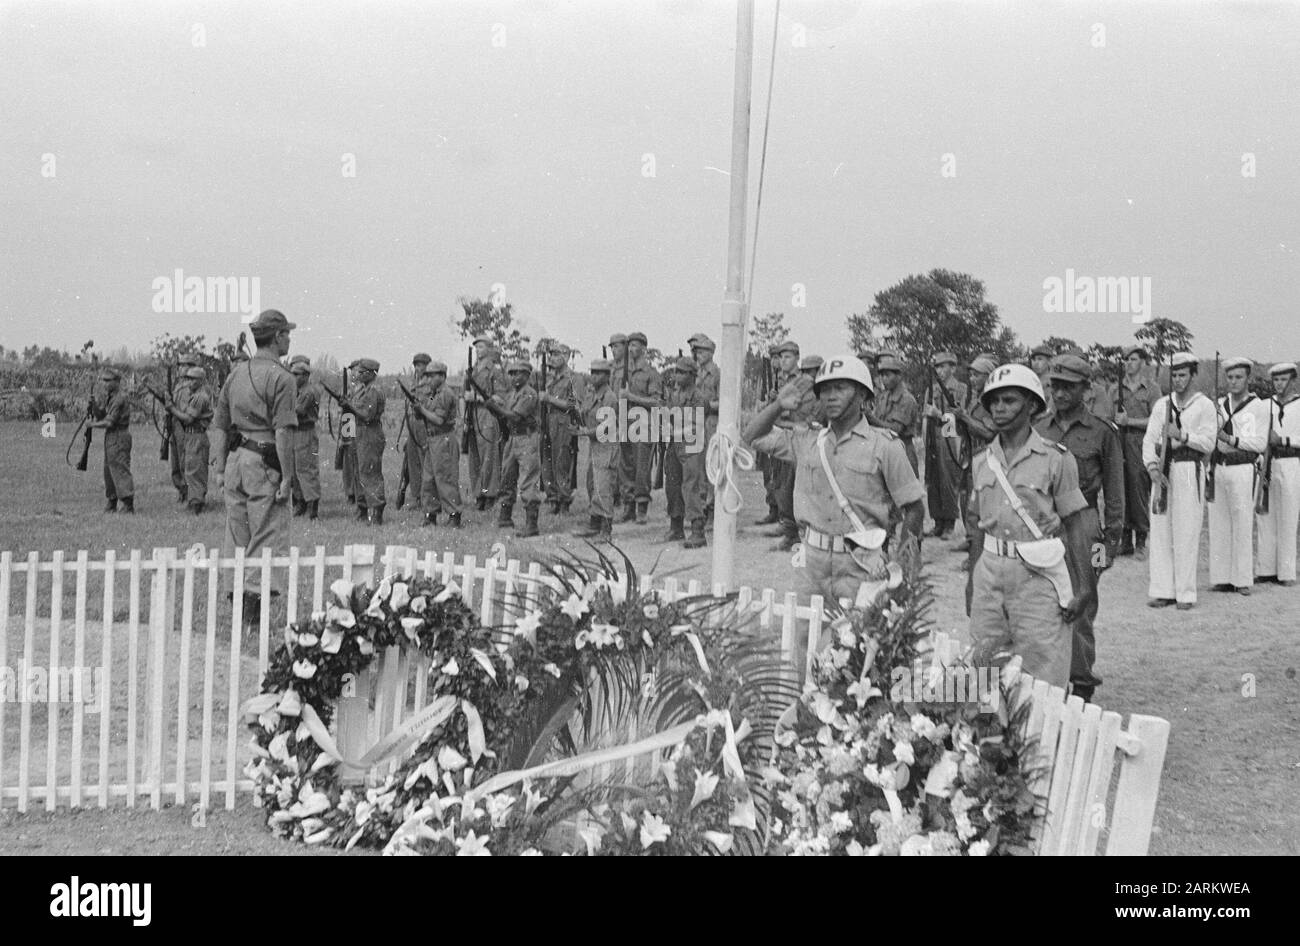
<point x="1107" y="358"/>
<point x="1058" y="344"/>
<point x="939" y="311"/>
<point x="766" y="332"/>
<point x="482" y="317"/>
<point x="1167" y="336"/>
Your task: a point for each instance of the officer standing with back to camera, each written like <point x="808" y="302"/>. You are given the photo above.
<point x="415" y="447"/>
<point x="489" y="438"/>
<point x="306" y="441"/>
<point x="176" y="458"/>
<point x="943" y="472"/>
<point x="599" y="412"/>
<point x="113" y="412"/>
<point x="1095" y="445"/>
<point x="1029" y="576"/>
<point x="253" y="451"/>
<point x="190" y="415"/>
<point x="366" y="402"/>
<point x="845" y="543"/>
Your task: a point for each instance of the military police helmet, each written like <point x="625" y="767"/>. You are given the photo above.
<point x="1014" y="376"/>
<point x="846" y="367"/>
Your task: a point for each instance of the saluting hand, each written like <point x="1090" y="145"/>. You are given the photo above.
<point x="791" y="396"/>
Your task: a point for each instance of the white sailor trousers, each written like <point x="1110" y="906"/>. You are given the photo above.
<point x="1176" y="535"/>
<point x="1232" y="524"/>
<point x="1277" y="529"/>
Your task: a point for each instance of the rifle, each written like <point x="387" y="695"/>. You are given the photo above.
<point x="338" y="444"/>
<point x="545" y="449"/>
<point x="962" y="456"/>
<point x="1160" y="503"/>
<point x="1209" y="477"/>
<point x="468" y="444"/>
<point x="84" y="461"/>
<point x="404" y="481"/>
<point x="1266" y="468"/>
<point x="659" y="455"/>
<point x="165" y="450"/>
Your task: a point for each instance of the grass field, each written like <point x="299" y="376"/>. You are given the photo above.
<point x="1225" y="674"/>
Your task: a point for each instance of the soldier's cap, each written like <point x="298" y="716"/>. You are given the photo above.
<point x="110" y="374"/>
<point x="187" y="360"/>
<point x="1136" y="350"/>
<point x="435" y="367"/>
<point x="196" y="372"/>
<point x="299" y="367"/>
<point x="784" y="347"/>
<point x="299" y="360"/>
<point x="1185" y="359"/>
<point x="686" y="364"/>
<point x="1070" y="368"/>
<point x="517" y="366"/>
<point x="702" y="341"/>
<point x="1282" y="367"/>
<point x="811" y="362"/>
<point x="367" y="364"/>
<point x="421" y="358"/>
<point x="983" y="364"/>
<point x="557" y="348"/>
<point x="888" y="361"/>
<point x="270" y="322"/>
<point x="618" y="338"/>
<point x="638" y="337"/>
<point x="944" y="358"/>
<point x="1239" y="363"/>
<point x="483" y="339"/>
<point x="1044" y="351"/>
<point x="601" y="364"/>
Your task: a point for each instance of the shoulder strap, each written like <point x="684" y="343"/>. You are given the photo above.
<point x="1016" y="504"/>
<point x="835" y="486"/>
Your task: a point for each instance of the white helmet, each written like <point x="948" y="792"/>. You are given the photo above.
<point x="848" y="367"/>
<point x="1014" y="376"/>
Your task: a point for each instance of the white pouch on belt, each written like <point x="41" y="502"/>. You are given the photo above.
<point x="1044" y="556"/>
<point x="865" y="545"/>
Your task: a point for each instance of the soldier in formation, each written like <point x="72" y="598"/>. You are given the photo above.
<point x="112" y="413"/>
<point x="1242" y="421"/>
<point x="414" y="450"/>
<point x="306" y="442"/>
<point x="440" y="465"/>
<point x="190" y="414"/>
<point x="1135" y="397"/>
<point x="1277" y="526"/>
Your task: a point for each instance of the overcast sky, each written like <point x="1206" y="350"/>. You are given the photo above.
<point x="506" y="143"/>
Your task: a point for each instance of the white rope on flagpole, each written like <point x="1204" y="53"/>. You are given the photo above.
<point x="723" y="457"/>
<point x="762" y="158"/>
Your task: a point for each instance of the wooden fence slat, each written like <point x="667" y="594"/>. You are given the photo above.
<point x="814" y="630"/>
<point x="264" y="616"/>
<point x="1138" y="788"/>
<point x="25" y="710"/>
<point x="232" y="689"/>
<point x="318" y="581"/>
<point x="352" y="721"/>
<point x="1099" y="782"/>
<point x="6" y="565"/>
<point x="1071" y="717"/>
<point x="79" y="675"/>
<point x="1076" y="799"/>
<point x="489" y="591"/>
<point x="209" y="679"/>
<point x="132" y="676"/>
<point x="53" y="684"/>
<point x="183" y="668"/>
<point x="291" y="593"/>
<point x="789" y="638"/>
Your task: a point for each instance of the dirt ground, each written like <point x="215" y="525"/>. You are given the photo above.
<point x="1225" y="674"/>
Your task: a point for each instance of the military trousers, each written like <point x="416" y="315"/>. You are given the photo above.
<point x="1137" y="484"/>
<point x="521" y="469"/>
<point x="117" y="464"/>
<point x="1016" y="610"/>
<point x="685" y="484"/>
<point x="1232" y="525"/>
<point x="370" y="466"/>
<point x="351" y="486"/>
<point x="783" y="491"/>
<point x="255" y="520"/>
<point x="194" y="446"/>
<point x="557" y="464"/>
<point x="1277" y="530"/>
<point x="176" y="455"/>
<point x="1083" y="648"/>
<point x="1176" y="535"/>
<point x="490" y="442"/>
<point x="942" y="478"/>
<point x="440" y="490"/>
<point x="306" y="464"/>
<point x="634" y="471"/>
<point x="413" y="455"/>
<point x="602" y="477"/>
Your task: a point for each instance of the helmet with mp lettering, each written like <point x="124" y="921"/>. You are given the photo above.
<point x="1014" y="376"/>
<point x="846" y="367"/>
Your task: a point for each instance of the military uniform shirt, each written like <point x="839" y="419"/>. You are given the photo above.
<point x="644" y="381"/>
<point x="592" y="413"/>
<point x="523" y="403"/>
<point x="443" y="405"/>
<point x="490" y="377"/>
<point x="1139" y="401"/>
<point x="198" y="404"/>
<point x="368" y="402"/>
<point x="307" y="406"/>
<point x="258" y="397"/>
<point x="976" y="411"/>
<point x="1286" y="420"/>
<point x="708" y="381"/>
<point x="1248" y="422"/>
<point x="869" y="464"/>
<point x="1092" y="442"/>
<point x="1043" y="475"/>
<point x="117" y="411"/>
<point x="688" y="399"/>
<point x="897" y="410"/>
<point x="559" y="383"/>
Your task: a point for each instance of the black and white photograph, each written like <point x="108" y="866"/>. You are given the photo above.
<point x="650" y="428"/>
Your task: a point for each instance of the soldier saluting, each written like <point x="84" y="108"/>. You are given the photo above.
<point x="253" y="450"/>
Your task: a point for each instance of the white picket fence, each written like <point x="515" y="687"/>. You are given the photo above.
<point x="163" y="713"/>
<point x="168" y="729"/>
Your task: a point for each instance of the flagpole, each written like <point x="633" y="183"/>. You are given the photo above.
<point x="735" y="313"/>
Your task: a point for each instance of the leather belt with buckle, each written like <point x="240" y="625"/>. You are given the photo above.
<point x="1006" y="548"/>
<point x="824" y="540"/>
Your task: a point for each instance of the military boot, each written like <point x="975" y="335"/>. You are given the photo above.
<point x="642" y="507"/>
<point x="696" y="539"/>
<point x="299" y="506"/>
<point x="675" y="530"/>
<point x="313" y="509"/>
<point x="771" y="518"/>
<point x="361" y="513"/>
<point x="607" y="528"/>
<point x="629" y="512"/>
<point x="430" y="519"/>
<point x="196" y="508"/>
<point x="110" y="506"/>
<point x="128" y="504"/>
<point x="564" y="506"/>
<point x="505" y="517"/>
<point x="376" y="517"/>
<point x="453" y="520"/>
<point x="531" y="512"/>
<point x="592" y="531"/>
<point x="555" y="507"/>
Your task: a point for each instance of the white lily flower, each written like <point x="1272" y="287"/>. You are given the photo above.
<point x="575" y="607"/>
<point x="552" y="670"/>
<point x="651" y="611"/>
<point x="979" y="849"/>
<point x="331" y="640"/>
<point x="365" y="645"/>
<point x="364" y="810"/>
<point x="942" y="775"/>
<point x="903" y="753"/>
<point x="498" y="808"/>
<point x="862" y="691"/>
<point x="723" y="842"/>
<point x="448" y="592"/>
<point x="646" y="638"/>
<point x="383" y="591"/>
<point x="450" y="668"/>
<point x="341" y="617"/>
<point x="526" y="627"/>
<point x="450" y="759"/>
<point x="521" y="682"/>
<point x="653" y="830"/>
<point x="743" y="814"/>
<point x="308" y="640"/>
<point x="279" y="747"/>
<point x="705" y="784"/>
<point x="400" y="597"/>
<point x="270" y="720"/>
<point x="418" y="604"/>
<point x="341" y="589"/>
<point x="411" y="627"/>
<point x="304" y="669"/>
